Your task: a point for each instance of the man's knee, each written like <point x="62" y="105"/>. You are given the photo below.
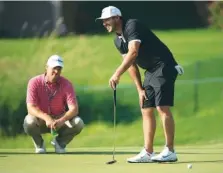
<point x="164" y="110"/>
<point x="78" y="124"/>
<point x="147" y="111"/>
<point x="30" y="123"/>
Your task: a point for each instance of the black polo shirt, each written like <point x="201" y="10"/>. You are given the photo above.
<point x="152" y="51"/>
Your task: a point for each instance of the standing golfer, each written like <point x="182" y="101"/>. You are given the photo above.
<point x="52" y="105"/>
<point x="140" y="46"/>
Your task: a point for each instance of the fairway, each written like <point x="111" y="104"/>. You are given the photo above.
<point x="205" y="159"/>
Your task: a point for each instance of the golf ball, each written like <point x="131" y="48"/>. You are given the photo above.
<point x="189" y="166"/>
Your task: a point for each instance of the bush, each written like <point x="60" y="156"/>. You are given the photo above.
<point x="216" y="14"/>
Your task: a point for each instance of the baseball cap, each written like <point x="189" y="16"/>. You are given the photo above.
<point x="108" y="12"/>
<point x="54" y="61"/>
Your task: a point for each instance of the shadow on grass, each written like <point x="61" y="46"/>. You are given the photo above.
<point x="96" y="153"/>
<point x="71" y="153"/>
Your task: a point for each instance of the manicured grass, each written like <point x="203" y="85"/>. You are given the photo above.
<point x="204" y="159"/>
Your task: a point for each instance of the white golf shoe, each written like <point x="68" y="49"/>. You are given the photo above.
<point x="40" y="150"/>
<point x="58" y="148"/>
<point x="142" y="157"/>
<point x="165" y="156"/>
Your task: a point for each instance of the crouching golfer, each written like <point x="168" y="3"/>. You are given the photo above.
<point x="52" y="104"/>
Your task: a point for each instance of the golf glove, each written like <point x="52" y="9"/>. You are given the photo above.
<point x="179" y="69"/>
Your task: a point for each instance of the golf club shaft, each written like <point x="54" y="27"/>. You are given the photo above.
<point x="114" y="133"/>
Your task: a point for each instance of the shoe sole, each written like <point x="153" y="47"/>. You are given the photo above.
<point x="140" y="162"/>
<point x="40" y="153"/>
<point x="165" y="161"/>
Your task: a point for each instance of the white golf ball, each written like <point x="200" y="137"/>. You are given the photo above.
<point x="189" y="166"/>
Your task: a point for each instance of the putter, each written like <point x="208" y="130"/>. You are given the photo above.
<point x="113" y="154"/>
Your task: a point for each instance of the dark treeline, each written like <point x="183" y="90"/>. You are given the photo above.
<point x="38" y="18"/>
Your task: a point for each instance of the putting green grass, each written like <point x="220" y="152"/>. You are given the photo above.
<point x="204" y="159"/>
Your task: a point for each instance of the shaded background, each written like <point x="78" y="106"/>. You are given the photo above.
<point x="38" y="18"/>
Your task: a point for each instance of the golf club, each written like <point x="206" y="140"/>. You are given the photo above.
<point x="113" y="154"/>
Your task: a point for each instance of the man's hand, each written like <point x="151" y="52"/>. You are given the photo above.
<point x="142" y="97"/>
<point x="49" y="122"/>
<point x="114" y="80"/>
<point x="179" y="69"/>
<point x="58" y="123"/>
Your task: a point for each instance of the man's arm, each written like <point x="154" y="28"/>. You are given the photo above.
<point x="71" y="102"/>
<point x="32" y="100"/>
<point x="134" y="41"/>
<point x="130" y="57"/>
<point x="72" y="112"/>
<point x="135" y="76"/>
<point x="35" y="111"/>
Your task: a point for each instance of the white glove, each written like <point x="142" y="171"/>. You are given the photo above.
<point x="179" y="69"/>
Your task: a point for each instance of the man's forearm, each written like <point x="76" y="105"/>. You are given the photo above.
<point x="135" y="75"/>
<point x="70" y="114"/>
<point x="35" y="111"/>
<point x="126" y="63"/>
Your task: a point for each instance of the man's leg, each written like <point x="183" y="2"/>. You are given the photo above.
<point x="168" y="125"/>
<point x="164" y="100"/>
<point x="149" y="128"/>
<point x="34" y="128"/>
<point x="66" y="134"/>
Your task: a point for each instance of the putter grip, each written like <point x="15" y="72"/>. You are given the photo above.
<point x="114" y="97"/>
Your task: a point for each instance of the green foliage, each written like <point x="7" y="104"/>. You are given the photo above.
<point x="216" y="14"/>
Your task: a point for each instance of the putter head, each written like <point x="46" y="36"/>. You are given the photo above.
<point x="111" y="162"/>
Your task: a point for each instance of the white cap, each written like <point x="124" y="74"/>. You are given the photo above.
<point x="109" y="11"/>
<point x="54" y="61"/>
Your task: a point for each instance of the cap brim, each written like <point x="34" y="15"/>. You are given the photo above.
<point x="99" y="18"/>
<point x="56" y="64"/>
<point x="105" y="17"/>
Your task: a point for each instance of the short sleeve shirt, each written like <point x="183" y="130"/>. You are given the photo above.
<point x="152" y="50"/>
<point x="51" y="98"/>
